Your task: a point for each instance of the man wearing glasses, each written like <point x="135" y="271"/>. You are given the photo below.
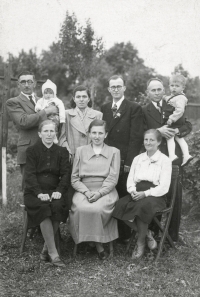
<point x="22" y="112"/>
<point x="125" y="132"/>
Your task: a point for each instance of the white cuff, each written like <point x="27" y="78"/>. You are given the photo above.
<point x="147" y="193"/>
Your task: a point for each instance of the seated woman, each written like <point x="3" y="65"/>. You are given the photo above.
<point x="148" y="182"/>
<point x="47" y="179"/>
<point x="94" y="177"/>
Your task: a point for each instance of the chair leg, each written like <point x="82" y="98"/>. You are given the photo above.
<point x="75" y="250"/>
<point x="57" y="241"/>
<point x="111" y="249"/>
<point x="25" y="229"/>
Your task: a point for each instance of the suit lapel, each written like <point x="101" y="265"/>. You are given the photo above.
<point x="28" y="103"/>
<point x="154" y="113"/>
<point x="120" y="112"/>
<point x="76" y="121"/>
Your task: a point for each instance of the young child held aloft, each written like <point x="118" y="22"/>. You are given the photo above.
<point x="49" y="91"/>
<point x="177" y="102"/>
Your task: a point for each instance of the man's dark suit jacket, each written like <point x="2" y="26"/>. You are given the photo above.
<point x="153" y="119"/>
<point x="125" y="132"/>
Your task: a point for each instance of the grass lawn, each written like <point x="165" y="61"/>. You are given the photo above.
<point x="176" y="274"/>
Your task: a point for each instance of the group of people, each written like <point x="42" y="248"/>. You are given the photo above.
<point x="87" y="165"/>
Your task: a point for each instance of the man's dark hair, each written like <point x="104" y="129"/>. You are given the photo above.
<point x="116" y="76"/>
<point x="26" y="72"/>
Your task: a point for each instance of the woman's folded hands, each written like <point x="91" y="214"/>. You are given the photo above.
<point x="46" y="197"/>
<point x="92" y="196"/>
<point x="137" y="195"/>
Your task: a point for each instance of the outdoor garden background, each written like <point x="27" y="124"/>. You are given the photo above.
<point x="79" y="57"/>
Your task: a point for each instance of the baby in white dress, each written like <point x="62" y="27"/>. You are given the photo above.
<point x="49" y="91"/>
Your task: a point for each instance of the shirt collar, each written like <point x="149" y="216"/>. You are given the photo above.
<point x="155" y="103"/>
<point x="104" y="152"/>
<point x="153" y="158"/>
<point x="118" y="103"/>
<point x="27" y="96"/>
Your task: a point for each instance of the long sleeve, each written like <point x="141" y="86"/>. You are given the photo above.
<point x="179" y="104"/>
<point x="21" y="118"/>
<point x="38" y="105"/>
<point x="75" y="178"/>
<point x="136" y="135"/>
<point x="61" y="109"/>
<point x="131" y="185"/>
<point x="112" y="179"/>
<point x="164" y="181"/>
<point x="31" y="172"/>
<point x="64" y="167"/>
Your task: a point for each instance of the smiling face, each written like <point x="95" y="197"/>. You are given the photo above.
<point x="151" y="143"/>
<point x="97" y="135"/>
<point x="81" y="99"/>
<point x="176" y="87"/>
<point x="26" y="84"/>
<point x="47" y="134"/>
<point x="155" y="91"/>
<point x="116" y="88"/>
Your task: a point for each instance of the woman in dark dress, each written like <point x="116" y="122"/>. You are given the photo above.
<point x="148" y="182"/>
<point x="47" y="178"/>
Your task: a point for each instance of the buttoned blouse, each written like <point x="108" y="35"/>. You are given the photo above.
<point x="106" y="165"/>
<point x="156" y="169"/>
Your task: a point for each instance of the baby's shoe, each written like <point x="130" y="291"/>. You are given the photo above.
<point x="173" y="158"/>
<point x="186" y="160"/>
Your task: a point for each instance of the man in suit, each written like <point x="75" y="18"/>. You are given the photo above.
<point x="153" y="119"/>
<point x="21" y="110"/>
<point x="125" y="132"/>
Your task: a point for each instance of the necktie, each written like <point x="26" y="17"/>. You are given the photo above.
<point x="114" y="109"/>
<point x="158" y="106"/>
<point x="31" y="99"/>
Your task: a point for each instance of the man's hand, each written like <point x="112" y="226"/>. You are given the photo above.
<point x="51" y="109"/>
<point x="94" y="197"/>
<point x="137" y="195"/>
<point x="167" y="132"/>
<point x="56" y="195"/>
<point x="126" y="168"/>
<point x="43" y="197"/>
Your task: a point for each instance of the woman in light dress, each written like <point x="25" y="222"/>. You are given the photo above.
<point x="94" y="177"/>
<point x="148" y="182"/>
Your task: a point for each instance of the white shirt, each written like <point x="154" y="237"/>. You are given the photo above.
<point x="156" y="169"/>
<point x="179" y="102"/>
<point x="155" y="104"/>
<point x="118" y="103"/>
<point x="27" y="96"/>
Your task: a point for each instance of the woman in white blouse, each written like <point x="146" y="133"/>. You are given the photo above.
<point x="148" y="182"/>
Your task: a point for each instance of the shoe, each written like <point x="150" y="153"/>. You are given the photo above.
<point x="44" y="256"/>
<point x="187" y="160"/>
<point x="152" y="244"/>
<point x="138" y="252"/>
<point x="103" y="255"/>
<point x="57" y="262"/>
<point x="174" y="158"/>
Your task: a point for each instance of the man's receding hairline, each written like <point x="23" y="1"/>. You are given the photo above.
<point x="117" y="79"/>
<point x="155" y="81"/>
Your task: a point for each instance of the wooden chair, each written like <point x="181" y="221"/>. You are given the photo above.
<point x="110" y="248"/>
<point x="25" y="230"/>
<point x="168" y="214"/>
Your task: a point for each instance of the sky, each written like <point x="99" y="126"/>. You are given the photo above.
<point x="165" y="32"/>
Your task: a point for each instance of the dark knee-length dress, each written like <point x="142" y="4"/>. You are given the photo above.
<point x="47" y="171"/>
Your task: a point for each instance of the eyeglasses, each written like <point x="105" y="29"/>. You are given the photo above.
<point x="23" y="82"/>
<point x="118" y="88"/>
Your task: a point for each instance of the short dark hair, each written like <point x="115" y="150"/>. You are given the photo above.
<point x="47" y="122"/>
<point x="26" y="72"/>
<point x="97" y="123"/>
<point x="79" y="89"/>
<point x="152" y="79"/>
<point x="155" y="132"/>
<point x="116" y="76"/>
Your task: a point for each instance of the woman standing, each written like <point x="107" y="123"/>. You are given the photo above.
<point x="78" y="119"/>
<point x="148" y="182"/>
<point x="94" y="177"/>
<point x="47" y="180"/>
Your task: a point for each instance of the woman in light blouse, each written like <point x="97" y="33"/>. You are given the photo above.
<point x="148" y="182"/>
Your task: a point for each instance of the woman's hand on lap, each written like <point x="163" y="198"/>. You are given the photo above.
<point x="56" y="195"/>
<point x="43" y="197"/>
<point x="137" y="195"/>
<point x="95" y="196"/>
